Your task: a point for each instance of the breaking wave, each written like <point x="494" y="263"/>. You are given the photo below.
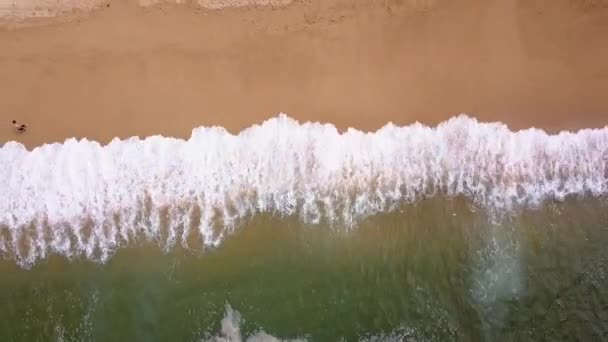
<point x="230" y="331"/>
<point x="80" y="198"/>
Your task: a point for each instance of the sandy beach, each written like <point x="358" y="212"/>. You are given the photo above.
<point x="294" y="232"/>
<point x="118" y="69"/>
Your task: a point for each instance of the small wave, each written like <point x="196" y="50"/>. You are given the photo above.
<point x="230" y="331"/>
<point x="82" y="198"/>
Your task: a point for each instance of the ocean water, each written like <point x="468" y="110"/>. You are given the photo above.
<point x="295" y="231"/>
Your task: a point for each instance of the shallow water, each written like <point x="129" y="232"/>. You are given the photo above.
<point x="83" y="199"/>
<point x="439" y="270"/>
<point x="465" y="232"/>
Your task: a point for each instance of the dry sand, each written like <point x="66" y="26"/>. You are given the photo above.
<point x="128" y="70"/>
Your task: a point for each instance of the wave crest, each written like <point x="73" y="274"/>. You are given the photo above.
<point x="82" y="198"/>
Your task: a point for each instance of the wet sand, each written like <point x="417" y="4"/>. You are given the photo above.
<point x="127" y="70"/>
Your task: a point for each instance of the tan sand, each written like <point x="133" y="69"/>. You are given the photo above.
<point x="127" y="70"/>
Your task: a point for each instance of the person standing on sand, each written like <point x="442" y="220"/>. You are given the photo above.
<point x="20" y="128"/>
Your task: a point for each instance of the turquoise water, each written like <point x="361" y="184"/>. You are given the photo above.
<point x="440" y="270"/>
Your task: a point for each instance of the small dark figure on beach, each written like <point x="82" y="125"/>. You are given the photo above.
<point x="20" y="128"/>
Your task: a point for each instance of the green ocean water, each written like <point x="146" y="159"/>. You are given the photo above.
<point x="440" y="270"/>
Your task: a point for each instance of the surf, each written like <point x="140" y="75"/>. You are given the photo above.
<point x="82" y="198"/>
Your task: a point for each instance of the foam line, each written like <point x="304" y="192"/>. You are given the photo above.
<point x="82" y="198"/>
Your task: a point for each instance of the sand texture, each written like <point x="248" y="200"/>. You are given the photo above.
<point x="165" y="68"/>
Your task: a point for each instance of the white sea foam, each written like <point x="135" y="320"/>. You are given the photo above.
<point x="230" y="331"/>
<point x="82" y="198"/>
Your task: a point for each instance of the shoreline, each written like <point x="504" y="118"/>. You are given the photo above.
<point x="166" y="69"/>
<point x="341" y="130"/>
